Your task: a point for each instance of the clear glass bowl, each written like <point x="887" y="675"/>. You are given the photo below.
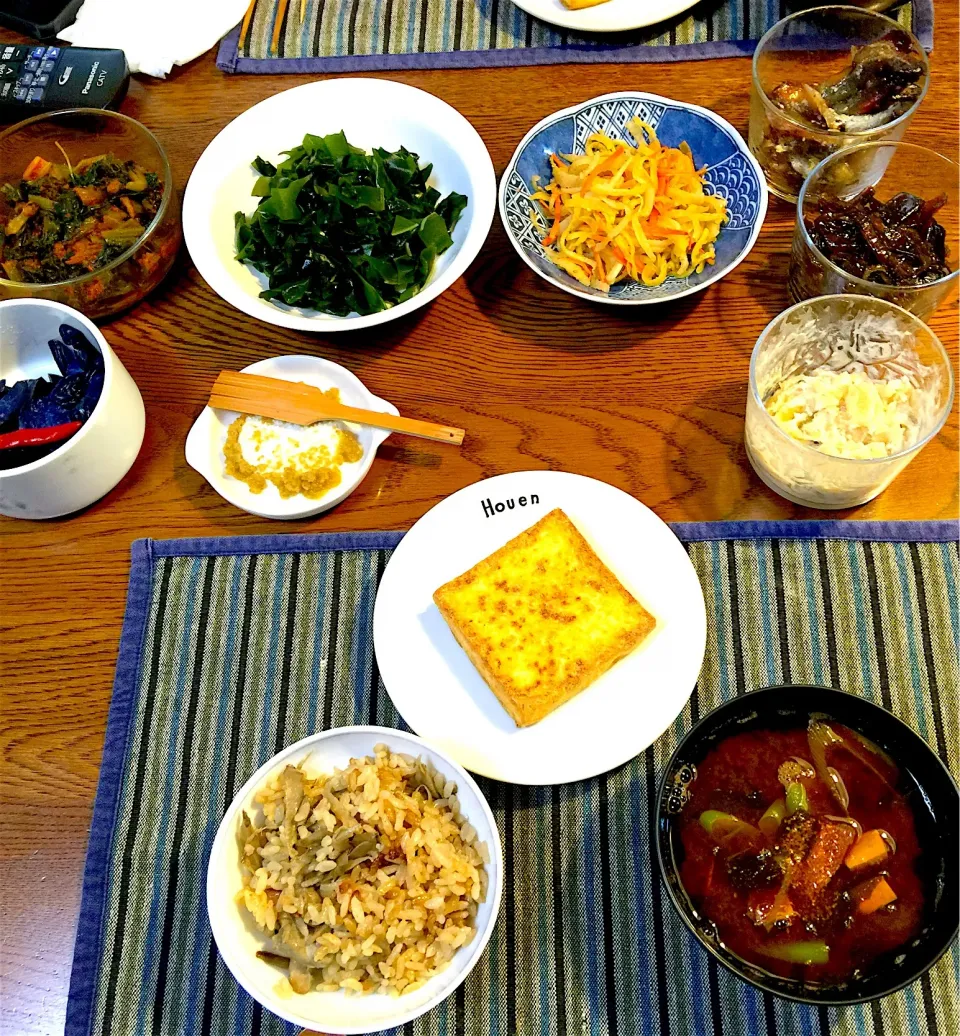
<point x="845" y="331"/>
<point x="811" y="47"/>
<point x="83" y="132"/>
<point x="892" y="167"/>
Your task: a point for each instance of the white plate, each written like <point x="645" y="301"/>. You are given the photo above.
<point x="372" y="113"/>
<point x="204" y="446"/>
<point x="613" y="16"/>
<point x="238" y="940"/>
<point x="441" y="695"/>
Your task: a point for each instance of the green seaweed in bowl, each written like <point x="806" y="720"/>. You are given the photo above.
<point x="341" y="230"/>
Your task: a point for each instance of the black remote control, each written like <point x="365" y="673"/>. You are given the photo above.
<point x="37" y="79"/>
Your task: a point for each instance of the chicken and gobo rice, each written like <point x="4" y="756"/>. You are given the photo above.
<point x="367" y="880"/>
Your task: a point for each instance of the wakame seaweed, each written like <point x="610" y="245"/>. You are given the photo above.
<point x="341" y="230"/>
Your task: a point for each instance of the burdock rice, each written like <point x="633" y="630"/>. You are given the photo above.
<point x="367" y="880"/>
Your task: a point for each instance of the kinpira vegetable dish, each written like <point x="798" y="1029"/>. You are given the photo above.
<point x="800" y="847"/>
<point x="620" y="211"/>
<point x="341" y="230"/>
<point x="68" y="218"/>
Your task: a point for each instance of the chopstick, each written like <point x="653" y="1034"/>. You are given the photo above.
<point x="305" y="404"/>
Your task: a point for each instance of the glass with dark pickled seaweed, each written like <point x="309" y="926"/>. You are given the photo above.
<point x="879" y="219"/>
<point x="801" y="847"/>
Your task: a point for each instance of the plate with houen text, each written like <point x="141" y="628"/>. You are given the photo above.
<point x="441" y="694"/>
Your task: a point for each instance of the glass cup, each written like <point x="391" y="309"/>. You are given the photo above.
<point x="841" y="332"/>
<point x="812" y="47"/>
<point x="893" y="167"/>
<point x="81" y="133"/>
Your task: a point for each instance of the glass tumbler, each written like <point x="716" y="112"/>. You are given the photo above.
<point x="892" y="168"/>
<point x="826" y="332"/>
<point x="812" y="47"/>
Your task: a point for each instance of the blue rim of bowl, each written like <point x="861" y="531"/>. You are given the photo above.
<point x="830" y="996"/>
<point x="639" y="95"/>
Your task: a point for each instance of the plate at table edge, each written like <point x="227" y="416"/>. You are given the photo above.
<point x="203" y="448"/>
<point x="441" y="695"/>
<point x="514" y="188"/>
<point x="222" y="179"/>
<point x="612" y="16"/>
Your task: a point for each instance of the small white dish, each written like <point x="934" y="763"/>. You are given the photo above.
<point x="372" y="113"/>
<point x="205" y="440"/>
<point x="440" y="693"/>
<point x="613" y="16"/>
<point x="238" y="940"/>
<point x="90" y="463"/>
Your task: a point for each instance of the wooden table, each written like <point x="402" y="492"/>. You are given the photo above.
<point x="651" y="400"/>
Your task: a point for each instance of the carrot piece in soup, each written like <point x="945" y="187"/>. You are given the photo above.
<point x="873" y="894"/>
<point x="869" y="848"/>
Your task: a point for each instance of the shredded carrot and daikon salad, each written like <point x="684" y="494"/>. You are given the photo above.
<point x="619" y="211"/>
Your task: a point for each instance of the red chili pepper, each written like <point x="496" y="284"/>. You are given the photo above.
<point x="38" y="436"/>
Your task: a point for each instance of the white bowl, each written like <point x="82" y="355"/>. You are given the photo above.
<point x="90" y="463"/>
<point x="238" y="940"/>
<point x="204" y="447"/>
<point x="372" y="113"/>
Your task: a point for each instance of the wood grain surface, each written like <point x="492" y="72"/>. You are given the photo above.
<point x="649" y="399"/>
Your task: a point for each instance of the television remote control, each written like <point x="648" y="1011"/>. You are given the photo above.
<point x="37" y="79"/>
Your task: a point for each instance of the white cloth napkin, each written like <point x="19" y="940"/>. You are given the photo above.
<point x="154" y="36"/>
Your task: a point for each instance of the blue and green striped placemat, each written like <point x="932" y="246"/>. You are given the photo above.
<point x="234" y="648"/>
<point x="363" y="35"/>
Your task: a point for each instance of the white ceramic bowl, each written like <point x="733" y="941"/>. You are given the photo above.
<point x="372" y="113"/>
<point x="238" y="940"/>
<point x="204" y="448"/>
<point x="90" y="463"/>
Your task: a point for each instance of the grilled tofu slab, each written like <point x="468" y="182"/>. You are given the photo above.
<point x="542" y="617"/>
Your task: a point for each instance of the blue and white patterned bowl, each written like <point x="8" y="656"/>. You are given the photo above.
<point x="732" y="172"/>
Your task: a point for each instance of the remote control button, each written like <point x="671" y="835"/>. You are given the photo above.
<point x="20" y="94"/>
<point x="7" y="53"/>
<point x="5" y="90"/>
<point x="52" y="53"/>
<point x="8" y="70"/>
<point x="31" y="65"/>
<point x="26" y="79"/>
<point x="41" y="80"/>
<point x="38" y="52"/>
<point x="48" y="66"/>
<point x="35" y="96"/>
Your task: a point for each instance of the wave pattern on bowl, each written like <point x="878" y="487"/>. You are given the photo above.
<point x="731" y="173"/>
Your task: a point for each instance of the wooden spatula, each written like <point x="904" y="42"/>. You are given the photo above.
<point x="303" y="404"/>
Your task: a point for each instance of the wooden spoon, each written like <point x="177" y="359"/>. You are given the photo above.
<point x="303" y="404"/>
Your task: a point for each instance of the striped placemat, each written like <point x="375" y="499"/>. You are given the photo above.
<point x="233" y="648"/>
<point x="356" y="35"/>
